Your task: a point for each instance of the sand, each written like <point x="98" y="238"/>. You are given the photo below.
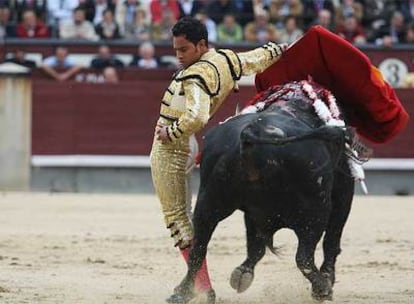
<point x="95" y="249"/>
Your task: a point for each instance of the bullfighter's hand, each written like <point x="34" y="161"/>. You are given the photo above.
<point x="162" y="134"/>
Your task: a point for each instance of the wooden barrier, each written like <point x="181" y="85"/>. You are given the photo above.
<point x="118" y="119"/>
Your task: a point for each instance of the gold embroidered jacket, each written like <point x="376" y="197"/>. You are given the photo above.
<point x="197" y="92"/>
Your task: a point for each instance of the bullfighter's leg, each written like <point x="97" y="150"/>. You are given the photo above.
<point x="342" y="201"/>
<point x="305" y="260"/>
<point x="205" y="220"/>
<point x="168" y="167"/>
<point x="243" y="275"/>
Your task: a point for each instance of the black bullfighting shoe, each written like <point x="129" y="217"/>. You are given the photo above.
<point x="207" y="297"/>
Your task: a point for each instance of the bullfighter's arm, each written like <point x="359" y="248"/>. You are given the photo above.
<point x="259" y="59"/>
<point x="196" y="114"/>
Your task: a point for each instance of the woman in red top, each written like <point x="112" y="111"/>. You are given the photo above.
<point x="30" y="27"/>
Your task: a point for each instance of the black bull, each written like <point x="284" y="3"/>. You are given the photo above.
<point x="284" y="168"/>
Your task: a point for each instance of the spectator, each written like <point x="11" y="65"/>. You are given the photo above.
<point x="209" y="23"/>
<point x="140" y="30"/>
<point x="19" y="57"/>
<point x="37" y="6"/>
<point x="245" y="11"/>
<point x="261" y="30"/>
<point x="89" y="8"/>
<point x="100" y="8"/>
<point x="218" y="8"/>
<point x="145" y="59"/>
<point x="7" y="27"/>
<point x="105" y="58"/>
<point x="190" y="7"/>
<point x="110" y="75"/>
<point x="78" y="27"/>
<point x="280" y="9"/>
<point x="60" y="66"/>
<point x="162" y="31"/>
<point x="290" y="32"/>
<point x="311" y="9"/>
<point x="348" y="8"/>
<point x="407" y="9"/>
<point x="376" y="14"/>
<point x="125" y="13"/>
<point x="324" y="19"/>
<point x="229" y="31"/>
<point x="31" y="27"/>
<point x="409" y="36"/>
<point x="393" y="33"/>
<point x="60" y="11"/>
<point x="352" y="31"/>
<point x="158" y="8"/>
<point x="108" y="29"/>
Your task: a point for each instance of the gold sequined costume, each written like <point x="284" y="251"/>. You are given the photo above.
<point x="193" y="96"/>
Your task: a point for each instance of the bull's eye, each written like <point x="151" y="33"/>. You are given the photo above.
<point x="273" y="130"/>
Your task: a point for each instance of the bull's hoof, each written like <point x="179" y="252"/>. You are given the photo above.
<point x="241" y="278"/>
<point x="322" y="291"/>
<point x="206" y="297"/>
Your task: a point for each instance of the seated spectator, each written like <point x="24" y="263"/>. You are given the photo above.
<point x="409" y="36"/>
<point x="110" y="75"/>
<point x="311" y="9"/>
<point x="209" y="23"/>
<point x="60" y="11"/>
<point x="324" y="19"/>
<point x="280" y="9"/>
<point x="159" y="7"/>
<point x="37" y="6"/>
<point x="99" y="9"/>
<point x="31" y="27"/>
<point x="145" y="59"/>
<point x="108" y="29"/>
<point x="229" y="31"/>
<point x="376" y="14"/>
<point x="19" y="57"/>
<point x="393" y="33"/>
<point x="352" y="31"/>
<point x="190" y="7"/>
<point x="105" y="58"/>
<point x="141" y="29"/>
<point x="217" y="9"/>
<point x="161" y="32"/>
<point x="78" y="27"/>
<point x="261" y="30"/>
<point x="60" y="66"/>
<point x="407" y="9"/>
<point x="125" y="13"/>
<point x="290" y="31"/>
<point x="348" y="8"/>
<point x="7" y="27"/>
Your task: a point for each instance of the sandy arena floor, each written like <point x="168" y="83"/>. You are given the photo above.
<point x="95" y="249"/>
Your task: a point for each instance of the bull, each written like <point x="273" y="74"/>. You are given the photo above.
<point x="284" y="167"/>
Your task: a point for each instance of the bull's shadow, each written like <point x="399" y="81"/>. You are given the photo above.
<point x="285" y="166"/>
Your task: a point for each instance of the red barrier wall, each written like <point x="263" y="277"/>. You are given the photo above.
<point x="119" y="119"/>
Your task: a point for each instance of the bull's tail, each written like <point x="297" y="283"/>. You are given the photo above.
<point x="327" y="133"/>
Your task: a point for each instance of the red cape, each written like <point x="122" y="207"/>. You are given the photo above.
<point x="368" y="102"/>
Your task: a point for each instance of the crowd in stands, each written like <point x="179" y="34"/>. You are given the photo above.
<point x="228" y="21"/>
<point x="383" y="23"/>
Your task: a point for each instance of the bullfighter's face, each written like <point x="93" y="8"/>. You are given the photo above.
<point x="187" y="52"/>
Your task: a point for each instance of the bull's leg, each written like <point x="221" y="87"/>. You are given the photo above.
<point x="243" y="275"/>
<point x="342" y="200"/>
<point x="321" y="286"/>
